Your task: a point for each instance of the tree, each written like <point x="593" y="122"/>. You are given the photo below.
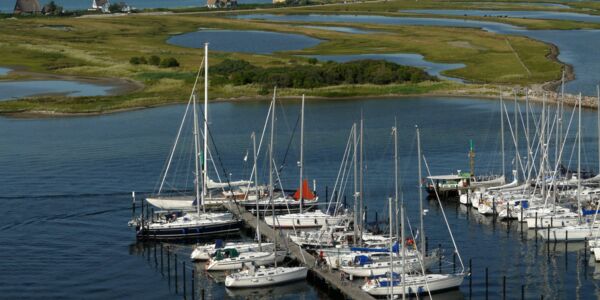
<point x="115" y="7"/>
<point x="154" y="60"/>
<point x="170" y="62"/>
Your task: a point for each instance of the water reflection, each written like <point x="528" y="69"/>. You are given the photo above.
<point x="27" y="88"/>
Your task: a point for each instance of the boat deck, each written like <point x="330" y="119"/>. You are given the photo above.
<point x="331" y="278"/>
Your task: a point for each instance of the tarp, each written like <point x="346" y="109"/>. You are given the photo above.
<point x="307" y="194"/>
<point x="362" y="260"/>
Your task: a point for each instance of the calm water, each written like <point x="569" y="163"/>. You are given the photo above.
<point x="578" y="48"/>
<point x="249" y="41"/>
<point x="4" y="71"/>
<point x="66" y="183"/>
<point x="526" y="14"/>
<point x="415" y="60"/>
<point x="341" y="29"/>
<point x="7" y="6"/>
<point x="19" y="89"/>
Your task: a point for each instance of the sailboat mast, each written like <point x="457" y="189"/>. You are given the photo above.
<point x="401" y="243"/>
<point x="529" y="162"/>
<point x="422" y="233"/>
<point x="396" y="197"/>
<point x="205" y="152"/>
<point x="256" y="189"/>
<point x="598" y="109"/>
<point x="391" y="280"/>
<point x="502" y="135"/>
<point x="360" y="176"/>
<point x="516" y="137"/>
<point x="355" y="184"/>
<point x="271" y="187"/>
<point x="301" y="155"/>
<point x="579" y="161"/>
<point x="196" y="154"/>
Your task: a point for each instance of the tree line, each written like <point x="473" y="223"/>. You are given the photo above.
<point x="241" y="72"/>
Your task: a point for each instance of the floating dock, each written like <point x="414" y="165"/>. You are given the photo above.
<point x="330" y="278"/>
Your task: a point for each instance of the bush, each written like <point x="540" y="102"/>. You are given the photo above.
<point x="115" y="7"/>
<point x="170" y="62"/>
<point x="154" y="60"/>
<point x="312" y="61"/>
<point x="240" y="72"/>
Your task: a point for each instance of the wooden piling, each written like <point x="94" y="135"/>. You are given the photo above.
<point x="176" y="282"/>
<point x="486" y="283"/>
<point x="184" y="281"/>
<point x="193" y="283"/>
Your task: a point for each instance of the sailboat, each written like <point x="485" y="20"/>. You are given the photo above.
<point x="250" y="277"/>
<point x="192" y="224"/>
<point x="303" y="219"/>
<point x="407" y="284"/>
<point x="204" y="252"/>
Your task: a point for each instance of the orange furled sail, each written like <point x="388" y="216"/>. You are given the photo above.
<point x="307" y="194"/>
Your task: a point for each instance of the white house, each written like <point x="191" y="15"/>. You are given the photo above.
<point x="101" y="5"/>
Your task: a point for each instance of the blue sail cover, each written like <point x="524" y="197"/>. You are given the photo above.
<point x="362" y="260"/>
<point x="219" y="244"/>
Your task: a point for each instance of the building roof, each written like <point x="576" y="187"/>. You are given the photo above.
<point x="27" y="6"/>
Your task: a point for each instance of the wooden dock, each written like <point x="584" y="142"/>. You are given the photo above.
<point x="332" y="279"/>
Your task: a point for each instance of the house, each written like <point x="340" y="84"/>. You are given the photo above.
<point x="27" y="7"/>
<point x="221" y="3"/>
<point x="101" y="5"/>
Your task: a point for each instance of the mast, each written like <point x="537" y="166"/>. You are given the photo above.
<point x="361" y="171"/>
<point x="355" y="185"/>
<point x="502" y="134"/>
<point x="205" y="152"/>
<point x="527" y="131"/>
<point x="403" y="273"/>
<point x="256" y="189"/>
<point x="196" y="158"/>
<point x="271" y="172"/>
<point x="420" y="196"/>
<point x="516" y="138"/>
<point x="396" y="197"/>
<point x="598" y="109"/>
<point x="390" y="283"/>
<point x="301" y="154"/>
<point x="579" y="161"/>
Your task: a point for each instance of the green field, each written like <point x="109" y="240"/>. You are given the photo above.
<point x="102" y="47"/>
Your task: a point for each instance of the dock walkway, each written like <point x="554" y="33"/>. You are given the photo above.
<point x="330" y="277"/>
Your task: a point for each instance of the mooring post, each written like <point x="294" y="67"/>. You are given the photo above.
<point x="426" y="246"/>
<point x="161" y="258"/>
<point x="193" y="282"/>
<point x="454" y="262"/>
<point x="169" y="266"/>
<point x="521" y="221"/>
<point x="585" y="240"/>
<point x="522" y="292"/>
<point x="326" y="193"/>
<point x="536" y="227"/>
<point x="152" y="216"/>
<point x="486" y="282"/>
<point x="504" y="287"/>
<point x="155" y="258"/>
<point x="176" y="285"/>
<point x="566" y="244"/>
<point x="184" y="281"/>
<point x="202" y="294"/>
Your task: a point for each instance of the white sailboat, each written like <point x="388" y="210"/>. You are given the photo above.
<point x="204" y="252"/>
<point x="250" y="278"/>
<point x="303" y="219"/>
<point x="191" y="224"/>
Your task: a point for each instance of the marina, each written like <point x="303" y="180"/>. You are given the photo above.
<point x="318" y="151"/>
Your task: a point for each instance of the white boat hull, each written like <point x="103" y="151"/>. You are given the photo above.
<point x="382" y="267"/>
<point x="250" y="258"/>
<point x="265" y="277"/>
<point x="417" y="285"/>
<point x="306" y="220"/>
<point x="202" y="253"/>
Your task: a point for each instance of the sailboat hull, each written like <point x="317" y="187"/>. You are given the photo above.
<point x="266" y="277"/>
<point x="191" y="231"/>
<point x="433" y="283"/>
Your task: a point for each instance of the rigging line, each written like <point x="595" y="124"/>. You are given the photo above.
<point x="421" y="257"/>
<point x="437" y="196"/>
<point x="337" y="179"/>
<point x="287" y="150"/>
<point x="181" y="125"/>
